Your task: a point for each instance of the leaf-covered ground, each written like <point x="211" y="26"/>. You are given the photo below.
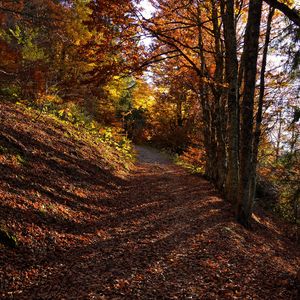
<point x="158" y="233"/>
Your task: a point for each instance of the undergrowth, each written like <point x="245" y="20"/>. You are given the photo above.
<point x="284" y="174"/>
<point x="192" y="160"/>
<point x="79" y="125"/>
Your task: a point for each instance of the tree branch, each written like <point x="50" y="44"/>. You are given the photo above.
<point x="291" y="13"/>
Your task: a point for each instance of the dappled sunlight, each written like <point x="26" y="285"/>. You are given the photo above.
<point x="149" y="149"/>
<point x="161" y="231"/>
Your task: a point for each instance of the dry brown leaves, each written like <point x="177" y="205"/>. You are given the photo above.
<point x="159" y="234"/>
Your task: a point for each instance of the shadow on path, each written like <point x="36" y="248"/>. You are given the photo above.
<point x="161" y="233"/>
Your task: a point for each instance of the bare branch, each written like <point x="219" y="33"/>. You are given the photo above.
<point x="291" y="13"/>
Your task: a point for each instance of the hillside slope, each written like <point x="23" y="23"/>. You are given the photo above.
<point x="85" y="232"/>
<point x="52" y="178"/>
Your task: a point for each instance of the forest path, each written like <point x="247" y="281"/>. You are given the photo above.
<point x="167" y="235"/>
<point x="146" y="154"/>
<point x="158" y="233"/>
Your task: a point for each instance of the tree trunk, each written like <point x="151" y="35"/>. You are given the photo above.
<point x="257" y="133"/>
<point x="251" y="42"/>
<point x="231" y="72"/>
<point x="221" y="158"/>
<point x="206" y="109"/>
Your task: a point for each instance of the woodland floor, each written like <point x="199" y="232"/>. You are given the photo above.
<point x="158" y="233"/>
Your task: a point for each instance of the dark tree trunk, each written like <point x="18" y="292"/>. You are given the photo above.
<point x="259" y="115"/>
<point x="231" y="72"/>
<point x="251" y="42"/>
<point x="206" y="108"/>
<point x="221" y="158"/>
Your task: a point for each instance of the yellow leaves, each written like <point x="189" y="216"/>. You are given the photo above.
<point x="116" y="87"/>
<point x="77" y="42"/>
<point x="289" y="2"/>
<point x="77" y="31"/>
<point x="49" y="98"/>
<point x="99" y="38"/>
<point x="146" y="102"/>
<point x="143" y="96"/>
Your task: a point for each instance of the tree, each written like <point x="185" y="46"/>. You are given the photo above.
<point x="192" y="31"/>
<point x="70" y="48"/>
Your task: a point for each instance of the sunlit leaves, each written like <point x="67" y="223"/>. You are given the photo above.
<point x="26" y="38"/>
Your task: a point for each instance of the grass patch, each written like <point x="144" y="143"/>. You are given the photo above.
<point x="193" y="169"/>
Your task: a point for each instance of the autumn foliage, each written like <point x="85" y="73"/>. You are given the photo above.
<point x="212" y="84"/>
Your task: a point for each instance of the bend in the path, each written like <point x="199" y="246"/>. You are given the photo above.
<point x="149" y="155"/>
<point x="167" y="235"/>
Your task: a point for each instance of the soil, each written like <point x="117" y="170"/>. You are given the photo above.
<point x="158" y="233"/>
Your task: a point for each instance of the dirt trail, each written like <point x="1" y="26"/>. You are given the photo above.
<point x="161" y="233"/>
<point x="146" y="154"/>
<point x="168" y="235"/>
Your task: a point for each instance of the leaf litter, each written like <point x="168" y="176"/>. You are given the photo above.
<point x="85" y="232"/>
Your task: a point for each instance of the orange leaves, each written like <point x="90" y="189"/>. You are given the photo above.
<point x="121" y="283"/>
